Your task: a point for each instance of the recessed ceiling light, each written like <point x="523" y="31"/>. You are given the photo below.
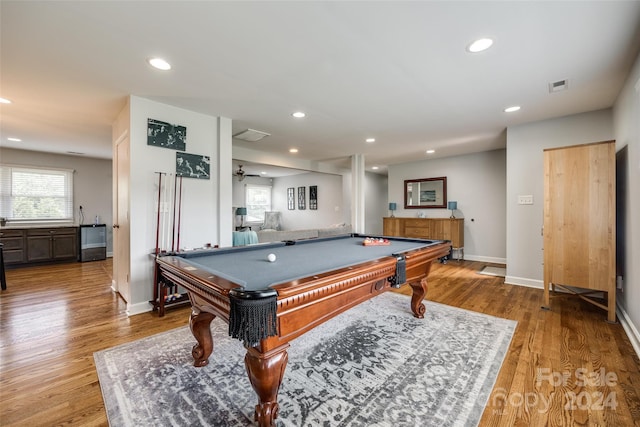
<point x="480" y="45"/>
<point x="375" y="168"/>
<point x="512" y="109"/>
<point x="160" y="64"/>
<point x="431" y="151"/>
<point x="370" y="140"/>
<point x="14" y="139"/>
<point x="293" y="150"/>
<point x="263" y="173"/>
<point x="299" y="114"/>
<point x="4" y="101"/>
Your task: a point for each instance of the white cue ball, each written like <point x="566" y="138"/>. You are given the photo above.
<point x="271" y="257"/>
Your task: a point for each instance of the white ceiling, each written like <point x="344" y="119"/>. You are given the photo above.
<point x="395" y="71"/>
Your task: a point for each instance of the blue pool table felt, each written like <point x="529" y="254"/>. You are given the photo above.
<point x="250" y="268"/>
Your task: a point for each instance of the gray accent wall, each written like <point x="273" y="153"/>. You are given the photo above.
<point x="478" y="183"/>
<point x="525" y="176"/>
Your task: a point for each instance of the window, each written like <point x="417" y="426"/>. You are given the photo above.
<point x="258" y="201"/>
<point x="33" y="194"/>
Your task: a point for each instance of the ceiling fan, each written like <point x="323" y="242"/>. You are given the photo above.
<point x="242" y="174"/>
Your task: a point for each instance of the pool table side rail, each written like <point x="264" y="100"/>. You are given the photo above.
<point x="417" y="259"/>
<point x="198" y="283"/>
<point x="329" y="295"/>
<point x="307" y="302"/>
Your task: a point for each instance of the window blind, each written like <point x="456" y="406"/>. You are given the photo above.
<point x="36" y="194"/>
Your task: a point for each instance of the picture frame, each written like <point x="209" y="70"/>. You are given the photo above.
<point x="166" y="135"/>
<point x="291" y="198"/>
<point x="313" y="197"/>
<point x="193" y="165"/>
<point x="425" y="193"/>
<point x="301" y="198"/>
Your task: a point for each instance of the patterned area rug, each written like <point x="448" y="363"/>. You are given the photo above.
<point x="374" y="365"/>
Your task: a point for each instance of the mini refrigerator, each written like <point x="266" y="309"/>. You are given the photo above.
<point x="93" y="242"/>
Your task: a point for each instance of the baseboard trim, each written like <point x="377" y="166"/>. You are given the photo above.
<point x="138" y="308"/>
<point x="492" y="260"/>
<point x="629" y="328"/>
<point x="522" y="281"/>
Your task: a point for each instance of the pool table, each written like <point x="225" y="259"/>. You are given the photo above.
<point x="268" y="304"/>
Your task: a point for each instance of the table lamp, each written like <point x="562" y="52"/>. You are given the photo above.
<point x="242" y="212"/>
<point x="392" y="207"/>
<point x="452" y="206"/>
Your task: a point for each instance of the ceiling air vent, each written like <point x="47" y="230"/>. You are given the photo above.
<point x="558" y="86"/>
<point x="251" y="135"/>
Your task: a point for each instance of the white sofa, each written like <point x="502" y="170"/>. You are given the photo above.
<point x="280" y="235"/>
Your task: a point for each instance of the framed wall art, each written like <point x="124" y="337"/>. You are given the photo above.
<point x="313" y="197"/>
<point x="291" y="198"/>
<point x="301" y="198"/>
<point x="192" y="165"/>
<point x="166" y="135"/>
<point x="425" y="193"/>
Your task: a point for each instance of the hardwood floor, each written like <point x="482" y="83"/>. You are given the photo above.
<point x="567" y="366"/>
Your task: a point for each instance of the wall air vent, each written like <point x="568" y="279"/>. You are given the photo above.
<point x="558" y="86"/>
<point x="251" y="135"/>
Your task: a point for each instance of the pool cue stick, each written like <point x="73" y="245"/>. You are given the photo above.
<point x="179" y="212"/>
<point x="165" y="231"/>
<point x="176" y="290"/>
<point x="162" y="217"/>
<point x="173" y="226"/>
<point x="158" y="219"/>
<point x="156" y="291"/>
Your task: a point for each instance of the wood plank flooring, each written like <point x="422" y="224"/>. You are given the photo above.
<point x="567" y="366"/>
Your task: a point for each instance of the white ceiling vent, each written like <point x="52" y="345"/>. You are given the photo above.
<point x="251" y="135"/>
<point x="558" y="86"/>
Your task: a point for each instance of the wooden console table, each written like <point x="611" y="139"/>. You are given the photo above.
<point x="428" y="228"/>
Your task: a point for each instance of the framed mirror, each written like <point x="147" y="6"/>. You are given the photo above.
<point x="425" y="193"/>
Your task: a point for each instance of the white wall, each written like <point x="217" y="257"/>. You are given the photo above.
<point x="199" y="197"/>
<point x="91" y="183"/>
<point x="330" y="207"/>
<point x="525" y="176"/>
<point x="255" y="156"/>
<point x="478" y="183"/>
<point x="333" y="206"/>
<point x="376" y="188"/>
<point x="626" y="117"/>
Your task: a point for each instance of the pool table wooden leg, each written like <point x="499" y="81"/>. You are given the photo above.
<point x="200" y="322"/>
<point x="419" y="292"/>
<point x="266" y="371"/>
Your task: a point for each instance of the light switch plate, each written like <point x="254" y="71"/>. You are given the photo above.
<point x="525" y="200"/>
